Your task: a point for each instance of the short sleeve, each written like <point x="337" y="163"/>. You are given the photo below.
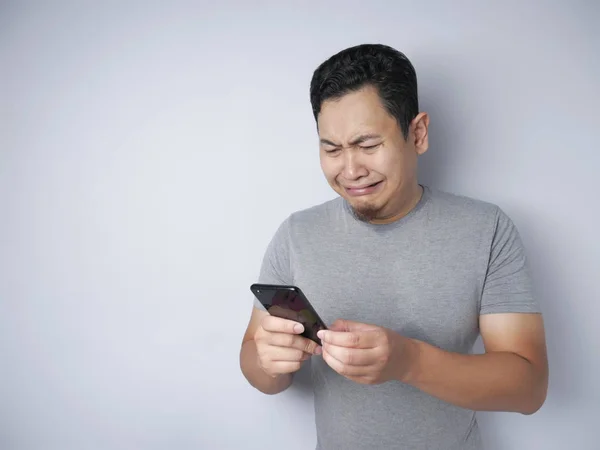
<point x="508" y="287"/>
<point x="276" y="263"/>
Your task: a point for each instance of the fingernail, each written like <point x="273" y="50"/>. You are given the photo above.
<point x="321" y="334"/>
<point x="298" y="328"/>
<point x="318" y="351"/>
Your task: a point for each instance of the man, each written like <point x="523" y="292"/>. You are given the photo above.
<point x="406" y="276"/>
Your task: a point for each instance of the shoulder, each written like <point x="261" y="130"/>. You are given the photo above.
<point x="314" y="220"/>
<point x="448" y="202"/>
<point x="315" y="217"/>
<point x="469" y="218"/>
<point x="307" y="221"/>
<point x="463" y="210"/>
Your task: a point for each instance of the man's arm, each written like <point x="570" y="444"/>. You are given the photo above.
<point x="249" y="360"/>
<point x="511" y="376"/>
<point x="275" y="269"/>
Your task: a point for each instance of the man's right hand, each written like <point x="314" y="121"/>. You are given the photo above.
<point x="279" y="347"/>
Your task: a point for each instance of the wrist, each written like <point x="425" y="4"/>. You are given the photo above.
<point x="413" y="355"/>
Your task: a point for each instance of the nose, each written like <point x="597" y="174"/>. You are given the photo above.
<point x="353" y="165"/>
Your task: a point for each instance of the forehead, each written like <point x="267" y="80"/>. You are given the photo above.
<point x="356" y="112"/>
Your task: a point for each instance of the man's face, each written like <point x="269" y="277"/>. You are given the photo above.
<point x="364" y="156"/>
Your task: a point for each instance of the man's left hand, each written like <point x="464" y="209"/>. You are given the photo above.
<point x="366" y="353"/>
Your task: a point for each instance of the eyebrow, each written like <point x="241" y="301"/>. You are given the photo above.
<point x="358" y="140"/>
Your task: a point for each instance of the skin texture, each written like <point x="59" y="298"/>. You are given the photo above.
<point x="361" y="144"/>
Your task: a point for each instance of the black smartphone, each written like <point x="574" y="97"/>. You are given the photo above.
<point x="289" y="302"/>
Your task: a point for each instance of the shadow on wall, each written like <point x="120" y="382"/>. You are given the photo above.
<point x="446" y="141"/>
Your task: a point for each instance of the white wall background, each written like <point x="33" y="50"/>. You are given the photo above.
<point x="148" y="153"/>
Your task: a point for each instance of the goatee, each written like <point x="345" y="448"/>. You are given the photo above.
<point x="365" y="213"/>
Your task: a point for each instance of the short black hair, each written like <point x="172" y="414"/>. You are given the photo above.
<point x="377" y="65"/>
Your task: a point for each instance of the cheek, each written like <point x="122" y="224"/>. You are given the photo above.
<point x="330" y="168"/>
<point x="383" y="164"/>
<point x="393" y="166"/>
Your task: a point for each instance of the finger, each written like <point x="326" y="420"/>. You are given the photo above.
<point x="349" y="325"/>
<point x="351" y="356"/>
<point x="293" y="341"/>
<point x="364" y="379"/>
<point x="280" y="325"/>
<point x="285" y="366"/>
<point x="351" y="339"/>
<point x="285" y="354"/>
<point x="344" y="369"/>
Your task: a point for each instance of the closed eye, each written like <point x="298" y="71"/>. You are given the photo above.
<point x="369" y="147"/>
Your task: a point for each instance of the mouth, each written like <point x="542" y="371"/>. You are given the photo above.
<point x="363" y="190"/>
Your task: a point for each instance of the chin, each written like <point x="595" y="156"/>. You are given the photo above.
<point x="366" y="212"/>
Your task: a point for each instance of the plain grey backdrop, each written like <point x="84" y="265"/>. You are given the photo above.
<point x="148" y="153"/>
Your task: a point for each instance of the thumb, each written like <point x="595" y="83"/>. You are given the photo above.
<point x="350" y="325"/>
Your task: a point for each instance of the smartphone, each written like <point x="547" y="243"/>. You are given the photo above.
<point x="289" y="302"/>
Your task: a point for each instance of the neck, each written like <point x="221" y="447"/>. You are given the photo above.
<point x="405" y="205"/>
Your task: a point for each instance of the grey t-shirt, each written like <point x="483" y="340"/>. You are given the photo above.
<point x="426" y="276"/>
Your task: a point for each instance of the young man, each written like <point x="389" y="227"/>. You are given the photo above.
<point x="406" y="276"/>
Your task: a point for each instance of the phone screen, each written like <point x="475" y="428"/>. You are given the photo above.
<point x="290" y="303"/>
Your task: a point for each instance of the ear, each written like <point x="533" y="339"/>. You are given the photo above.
<point x="420" y="132"/>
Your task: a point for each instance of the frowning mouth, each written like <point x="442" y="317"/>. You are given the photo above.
<point x="363" y="190"/>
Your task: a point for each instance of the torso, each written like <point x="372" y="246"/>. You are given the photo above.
<point x="421" y="276"/>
